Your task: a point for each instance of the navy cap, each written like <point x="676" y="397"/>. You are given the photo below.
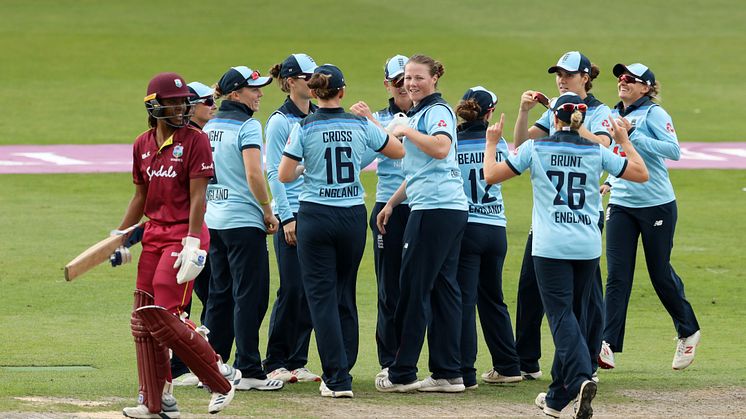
<point x="241" y="76"/>
<point x="567" y="97"/>
<point x="572" y="62"/>
<point x="638" y="70"/>
<point x="297" y="64"/>
<point x="395" y="67"/>
<point x="200" y="90"/>
<point x="337" y="79"/>
<point x="484" y="98"/>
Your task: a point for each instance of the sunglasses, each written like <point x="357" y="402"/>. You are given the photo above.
<point x="542" y="98"/>
<point x="630" y="79"/>
<point x="208" y="101"/>
<point x="397" y="82"/>
<point x="304" y="76"/>
<point x="570" y="107"/>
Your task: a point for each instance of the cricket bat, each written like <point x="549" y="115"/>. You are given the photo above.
<point x="96" y="254"/>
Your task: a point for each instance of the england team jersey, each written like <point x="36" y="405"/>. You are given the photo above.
<point x="655" y="139"/>
<point x="278" y="128"/>
<point x="331" y="143"/>
<point x="485" y="201"/>
<point x="565" y="169"/>
<point x="389" y="171"/>
<point x="230" y="203"/>
<point x="596" y="118"/>
<point x="433" y="183"/>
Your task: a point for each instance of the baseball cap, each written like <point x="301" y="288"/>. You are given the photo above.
<point x="167" y="85"/>
<point x="639" y="70"/>
<point x="297" y="64"/>
<point x="395" y="67"/>
<point x="199" y="90"/>
<point x="238" y="77"/>
<point x="484" y="98"/>
<point x="337" y="79"/>
<point x="565" y="98"/>
<point x="572" y="62"/>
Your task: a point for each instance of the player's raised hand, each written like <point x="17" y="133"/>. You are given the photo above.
<point x="624" y="123"/>
<point x="361" y="109"/>
<point x="618" y="133"/>
<point x="529" y="100"/>
<point x="495" y="131"/>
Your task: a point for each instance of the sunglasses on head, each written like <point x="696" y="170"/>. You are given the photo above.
<point x="570" y="107"/>
<point x="542" y="98"/>
<point x="630" y="79"/>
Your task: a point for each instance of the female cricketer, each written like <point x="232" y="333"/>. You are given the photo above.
<point x="648" y="211"/>
<point x="290" y="322"/>
<point x="171" y="167"/>
<point x="239" y="217"/>
<point x="432" y="238"/>
<point x="574" y="73"/>
<point x="331" y="219"/>
<point x="483" y="248"/>
<point x="565" y="168"/>
<point x="387" y="248"/>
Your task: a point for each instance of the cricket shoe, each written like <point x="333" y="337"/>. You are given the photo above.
<point x="219" y="401"/>
<point x="594" y="377"/>
<point x="582" y="408"/>
<point x="186" y="380"/>
<point x="531" y="375"/>
<point x="494" y="377"/>
<point x="303" y="375"/>
<point x="541" y="402"/>
<point x="169" y="408"/>
<point x="442" y="385"/>
<point x="282" y="374"/>
<point x="606" y="357"/>
<point x="259" y="384"/>
<point x="384" y="384"/>
<point x="383" y="373"/>
<point x="336" y="394"/>
<point x="685" y="348"/>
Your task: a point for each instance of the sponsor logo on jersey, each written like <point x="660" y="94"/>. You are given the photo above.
<point x="178" y="151"/>
<point x="146" y="155"/>
<point x="206" y="167"/>
<point x="161" y="172"/>
<point x="442" y="123"/>
<point x="669" y="128"/>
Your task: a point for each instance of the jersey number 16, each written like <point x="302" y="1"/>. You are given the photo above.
<point x="336" y="164"/>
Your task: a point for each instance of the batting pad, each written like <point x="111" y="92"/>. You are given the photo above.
<point x="188" y="345"/>
<point x="152" y="358"/>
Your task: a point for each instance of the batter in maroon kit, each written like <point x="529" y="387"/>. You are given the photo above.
<point x="172" y="164"/>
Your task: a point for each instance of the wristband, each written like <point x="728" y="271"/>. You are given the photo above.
<point x="264" y="202"/>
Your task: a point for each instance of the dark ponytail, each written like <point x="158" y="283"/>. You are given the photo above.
<point x="282" y="81"/>
<point x="319" y="83"/>
<point x="468" y="110"/>
<point x="595" y="71"/>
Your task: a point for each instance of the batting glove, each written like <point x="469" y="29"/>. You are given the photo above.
<point x="399" y="119"/>
<point x="190" y="261"/>
<point x="120" y="256"/>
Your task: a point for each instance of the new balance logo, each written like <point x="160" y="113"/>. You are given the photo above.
<point x="658" y="223"/>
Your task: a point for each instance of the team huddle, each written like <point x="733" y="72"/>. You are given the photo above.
<point x="438" y="229"/>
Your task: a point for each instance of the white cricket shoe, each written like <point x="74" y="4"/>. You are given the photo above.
<point x="219" y="401"/>
<point x="442" y="385"/>
<point x="384" y="384"/>
<point x="531" y="375"/>
<point x="169" y="408"/>
<point x="582" y="407"/>
<point x="594" y="377"/>
<point x="303" y="375"/>
<point x="383" y="373"/>
<point x="541" y="402"/>
<point x="259" y="384"/>
<point x="186" y="380"/>
<point x="606" y="357"/>
<point x="494" y="377"/>
<point x="685" y="348"/>
<point x="327" y="392"/>
<point x="282" y="374"/>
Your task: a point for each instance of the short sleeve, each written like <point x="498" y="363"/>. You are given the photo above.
<point x="250" y="135"/>
<point x="200" y="159"/>
<point x="544" y="122"/>
<point x="612" y="163"/>
<point x="439" y="120"/>
<point x="137" y="177"/>
<point x="375" y="137"/>
<point x="598" y="123"/>
<point x="294" y="146"/>
<point x="522" y="159"/>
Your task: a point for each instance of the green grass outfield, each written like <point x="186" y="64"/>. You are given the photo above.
<point x="76" y="72"/>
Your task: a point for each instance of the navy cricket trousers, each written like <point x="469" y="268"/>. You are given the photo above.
<point x="239" y="295"/>
<point x="483" y="250"/>
<point x="565" y="288"/>
<point x="530" y="311"/>
<point x="387" y="251"/>
<point x="430" y="298"/>
<point x="656" y="226"/>
<point x="331" y="242"/>
<point x="290" y="321"/>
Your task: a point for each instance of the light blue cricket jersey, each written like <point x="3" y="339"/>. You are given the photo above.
<point x="331" y="143"/>
<point x="389" y="171"/>
<point x="433" y="183"/>
<point x="655" y="139"/>
<point x="485" y="201"/>
<point x="565" y="169"/>
<point x="596" y="118"/>
<point x="278" y="128"/>
<point x="230" y="203"/>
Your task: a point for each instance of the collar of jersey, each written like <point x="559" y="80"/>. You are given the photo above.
<point x="425" y="102"/>
<point x="290" y="107"/>
<point x="591" y="101"/>
<point x="330" y="110"/>
<point x="393" y="108"/>
<point x="479" y="125"/>
<point x="168" y="142"/>
<point x="645" y="100"/>
<point x="233" y="106"/>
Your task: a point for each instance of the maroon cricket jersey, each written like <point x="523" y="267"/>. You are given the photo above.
<point x="166" y="171"/>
